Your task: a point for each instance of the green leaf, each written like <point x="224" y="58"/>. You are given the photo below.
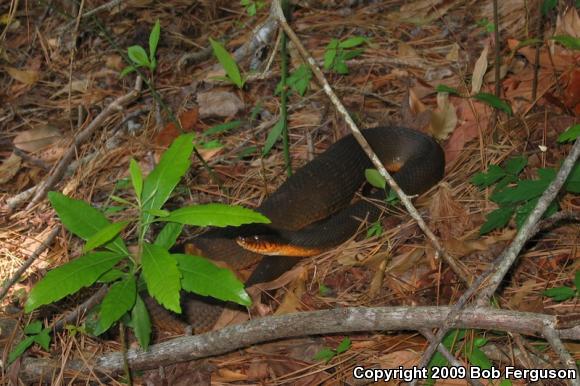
<point x="494" y="102"/>
<point x="159" y="184"/>
<point x="577" y="282"/>
<point x="162" y="276"/>
<point x="439" y="360"/>
<point x="483" y="179"/>
<point x="33" y="328"/>
<point x="343" y="345"/>
<point x="202" y="277"/>
<point x="120" y="200"/>
<point x="43" y="338"/>
<point x="82" y="219"/>
<point x="330" y="54"/>
<point x="515" y="165"/>
<point x="227" y="62"/>
<point x="154" y="40"/>
<point x="126" y="70"/>
<point x="222" y="128"/>
<point x="324" y="290"/>
<point x="119" y="300"/>
<point x="560" y="294"/>
<point x="496" y="219"/>
<point x="525" y="190"/>
<point x="104" y="235"/>
<point x="273" y="136"/>
<point x="69" y="278"/>
<point x="353" y="42"/>
<point x="326" y="354"/>
<point x="340" y="66"/>
<point x="568" y="41"/>
<point x="374" y="178"/>
<point x="447" y="89"/>
<point x="298" y="81"/>
<point x="523" y="212"/>
<point x="570" y="134"/>
<point x="20" y="348"/>
<point x="547" y="6"/>
<point x="350" y="54"/>
<point x="158" y="212"/>
<point x="168" y="235"/>
<point x="217" y="215"/>
<point x="572" y="183"/>
<point x="478" y="358"/>
<point x="247" y="151"/>
<point x="111" y="276"/>
<point x="138" y="55"/>
<point x="141" y="323"/>
<point x="136" y="178"/>
<point x="376" y="229"/>
<point x="505" y="382"/>
<point x="213" y="144"/>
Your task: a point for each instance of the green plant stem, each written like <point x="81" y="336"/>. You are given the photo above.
<point x="284" y="101"/>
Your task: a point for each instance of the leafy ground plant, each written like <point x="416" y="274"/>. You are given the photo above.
<point x="138" y="55"/>
<point x="559" y="294"/>
<point x="338" y="53"/>
<point x="151" y="267"/>
<point x="233" y="74"/>
<point x="518" y="197"/>
<point x="326" y="354"/>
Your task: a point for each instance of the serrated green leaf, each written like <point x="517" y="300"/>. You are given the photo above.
<point x="374" y="178"/>
<point x="326" y="354"/>
<point x="228" y="63"/>
<point x="218" y="215"/>
<point x="343" y="345"/>
<point x="69" y="278"/>
<point x="570" y="134"/>
<point x="138" y="56"/>
<point x="33" y="327"/>
<point x="273" y="136"/>
<point x="104" y="235"/>
<point x="82" y="219"/>
<point x="560" y="294"/>
<point x="159" y="184"/>
<point x="141" y="323"/>
<point x="162" y="276"/>
<point x="568" y="41"/>
<point x="136" y="178"/>
<point x="515" y="165"/>
<point x="447" y="89"/>
<point x="483" y="179"/>
<point x="496" y="219"/>
<point x="120" y="299"/>
<point x="43" y="338"/>
<point x="20" y="348"/>
<point x="525" y="190"/>
<point x="222" y="128"/>
<point x="168" y="235"/>
<point x="153" y="41"/>
<point x="494" y="102"/>
<point x="202" y="277"/>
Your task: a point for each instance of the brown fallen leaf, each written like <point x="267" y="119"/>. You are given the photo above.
<point x="28" y="77"/>
<point x="37" y="139"/>
<point x="9" y="168"/>
<point x="479" y="69"/>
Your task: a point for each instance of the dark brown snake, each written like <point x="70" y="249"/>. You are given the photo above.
<point x="311" y="212"/>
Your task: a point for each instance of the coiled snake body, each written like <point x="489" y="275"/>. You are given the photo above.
<point x="312" y="212"/>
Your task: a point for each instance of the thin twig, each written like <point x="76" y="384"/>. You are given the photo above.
<point x="552" y="337"/>
<point x="37" y="252"/>
<point x="461" y="272"/>
<point x="81" y="309"/>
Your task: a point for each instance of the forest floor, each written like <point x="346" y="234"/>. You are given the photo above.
<point x="59" y="72"/>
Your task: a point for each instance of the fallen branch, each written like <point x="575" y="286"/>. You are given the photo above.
<point x="342" y="320"/>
